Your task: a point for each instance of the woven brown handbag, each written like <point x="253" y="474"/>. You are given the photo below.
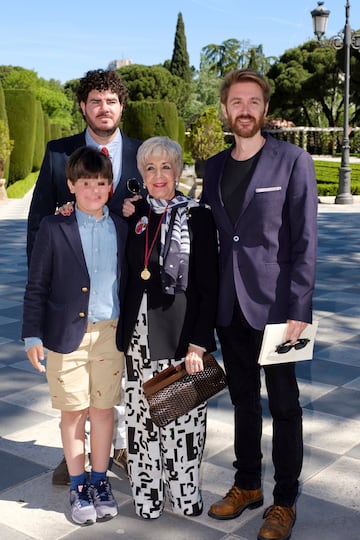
<point x="173" y="392"/>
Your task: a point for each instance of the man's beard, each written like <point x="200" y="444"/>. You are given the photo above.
<point x="247" y="131"/>
<point x="101" y="132"/>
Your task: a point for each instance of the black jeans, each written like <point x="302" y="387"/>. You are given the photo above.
<point x="240" y="348"/>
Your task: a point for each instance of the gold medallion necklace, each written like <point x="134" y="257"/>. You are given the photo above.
<point x="145" y="273"/>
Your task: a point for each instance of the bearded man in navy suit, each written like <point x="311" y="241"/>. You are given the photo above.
<point x="263" y="196"/>
<point x="102" y="97"/>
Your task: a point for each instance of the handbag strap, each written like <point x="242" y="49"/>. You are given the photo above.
<point x="164" y="378"/>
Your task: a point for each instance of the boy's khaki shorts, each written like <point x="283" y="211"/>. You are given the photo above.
<point x="89" y="376"/>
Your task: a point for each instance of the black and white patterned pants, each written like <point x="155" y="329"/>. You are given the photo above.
<point x="160" y="459"/>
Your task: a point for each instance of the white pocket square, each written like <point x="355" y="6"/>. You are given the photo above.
<point x="266" y="189"/>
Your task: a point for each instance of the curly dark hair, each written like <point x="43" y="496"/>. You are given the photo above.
<point x="101" y="80"/>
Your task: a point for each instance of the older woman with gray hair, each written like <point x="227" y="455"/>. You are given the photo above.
<point x="169" y="316"/>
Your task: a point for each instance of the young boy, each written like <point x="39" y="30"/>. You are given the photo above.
<point x="71" y="306"/>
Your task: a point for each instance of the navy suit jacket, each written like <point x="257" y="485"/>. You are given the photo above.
<point x="267" y="260"/>
<point x="58" y="288"/>
<point x="51" y="188"/>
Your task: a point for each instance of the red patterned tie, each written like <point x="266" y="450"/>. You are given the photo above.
<point x="105" y="151"/>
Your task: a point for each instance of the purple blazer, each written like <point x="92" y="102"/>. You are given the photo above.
<point x="268" y="259"/>
<point x="58" y="290"/>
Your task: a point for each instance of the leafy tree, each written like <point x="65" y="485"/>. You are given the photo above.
<point x="208" y="86"/>
<point x="222" y="58"/>
<point x="234" y="54"/>
<point x="50" y="93"/>
<point x="12" y="77"/>
<point x="154" y="83"/>
<point x="70" y="89"/>
<point x="204" y="92"/>
<point x="179" y="64"/>
<point x="206" y="135"/>
<point x="308" y="83"/>
<point x="56" y="104"/>
<point x="258" y="61"/>
<point x="354" y="81"/>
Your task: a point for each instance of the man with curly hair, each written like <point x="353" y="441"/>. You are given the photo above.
<point x="102" y="98"/>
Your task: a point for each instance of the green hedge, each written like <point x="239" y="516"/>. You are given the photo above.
<point x="55" y="131"/>
<point x="21" y="111"/>
<point x="327" y="177"/>
<point x="144" y="119"/>
<point x="47" y="136"/>
<point x="18" y="189"/>
<point x="39" y="148"/>
<point x="181" y="132"/>
<point x="5" y="144"/>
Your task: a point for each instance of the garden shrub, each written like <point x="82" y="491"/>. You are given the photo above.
<point x="39" y="148"/>
<point x="144" y="119"/>
<point x="55" y="131"/>
<point x="21" y="112"/>
<point x="6" y="144"/>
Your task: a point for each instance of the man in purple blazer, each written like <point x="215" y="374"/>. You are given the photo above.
<point x="263" y="196"/>
<point x="102" y="97"/>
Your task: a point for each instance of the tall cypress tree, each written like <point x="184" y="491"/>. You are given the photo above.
<point x="179" y="64"/>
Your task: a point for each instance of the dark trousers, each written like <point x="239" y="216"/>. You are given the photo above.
<point x="240" y="346"/>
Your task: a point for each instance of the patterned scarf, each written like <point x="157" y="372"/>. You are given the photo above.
<point x="174" y="240"/>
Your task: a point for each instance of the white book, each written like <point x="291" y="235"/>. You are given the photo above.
<point x="274" y="350"/>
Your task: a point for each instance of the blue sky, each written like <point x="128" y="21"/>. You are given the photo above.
<point x="63" y="41"/>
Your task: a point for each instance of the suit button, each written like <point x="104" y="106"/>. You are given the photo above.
<point x="81" y="314"/>
<point x="236" y="238"/>
<point x="84" y="289"/>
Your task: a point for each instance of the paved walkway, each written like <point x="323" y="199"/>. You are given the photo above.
<point x="32" y="508"/>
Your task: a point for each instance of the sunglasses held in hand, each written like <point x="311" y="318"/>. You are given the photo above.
<point x="286" y="346"/>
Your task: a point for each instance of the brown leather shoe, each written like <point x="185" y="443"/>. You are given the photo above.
<point x="235" y="502"/>
<point x="60" y="475"/>
<point x="278" y="523"/>
<point x="120" y="458"/>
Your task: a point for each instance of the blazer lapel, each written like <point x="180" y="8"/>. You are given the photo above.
<point x="125" y="172"/>
<point x="217" y="186"/>
<point x="71" y="232"/>
<point x="261" y="173"/>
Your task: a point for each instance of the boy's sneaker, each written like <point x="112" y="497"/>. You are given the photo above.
<point x="104" y="501"/>
<point x="82" y="508"/>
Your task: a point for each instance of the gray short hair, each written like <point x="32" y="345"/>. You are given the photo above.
<point x="157" y="146"/>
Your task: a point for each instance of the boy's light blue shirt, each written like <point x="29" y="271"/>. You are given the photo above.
<point x="99" y="243"/>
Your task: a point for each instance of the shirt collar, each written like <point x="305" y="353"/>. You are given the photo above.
<point x="114" y="144"/>
<point x="84" y="219"/>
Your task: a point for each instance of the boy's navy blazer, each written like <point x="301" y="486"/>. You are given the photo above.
<point x="58" y="289"/>
<point x="268" y="258"/>
<point x="51" y="189"/>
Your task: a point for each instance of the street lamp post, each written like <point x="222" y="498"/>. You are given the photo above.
<point x="320" y="16"/>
